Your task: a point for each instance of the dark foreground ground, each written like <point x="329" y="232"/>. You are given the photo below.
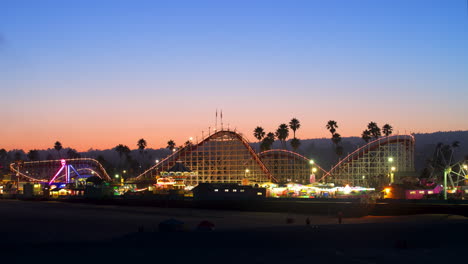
<point x="47" y="232"/>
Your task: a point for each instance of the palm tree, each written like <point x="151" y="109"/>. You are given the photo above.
<point x="366" y="135"/>
<point x="171" y="144"/>
<point x="336" y="138"/>
<point x="387" y="130"/>
<point x="259" y="133"/>
<point x="267" y="141"/>
<point x="141" y="146"/>
<point x="374" y="130"/>
<point x="58" y="147"/>
<point x="122" y="149"/>
<point x="332" y="126"/>
<point x="295" y="144"/>
<point x="282" y="133"/>
<point x="294" y="124"/>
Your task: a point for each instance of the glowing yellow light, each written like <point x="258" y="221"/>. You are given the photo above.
<point x="124" y="171"/>
<point x="347" y="189"/>
<point x="465" y="167"/>
<point x="117" y="176"/>
<point x="311" y="161"/>
<point x="390" y="159"/>
<point x="157" y="161"/>
<point x="173" y="150"/>
<point x="314" y="170"/>
<point x="393" y="168"/>
<point x="247" y="170"/>
<point x="191" y="138"/>
<point x="387" y="190"/>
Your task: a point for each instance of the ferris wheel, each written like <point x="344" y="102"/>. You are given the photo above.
<point x="456" y="175"/>
<point x="453" y="174"/>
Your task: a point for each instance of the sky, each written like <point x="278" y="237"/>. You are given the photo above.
<point x="95" y="74"/>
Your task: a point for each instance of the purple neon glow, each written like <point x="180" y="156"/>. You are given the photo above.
<point x="77" y="174"/>
<point x="68" y="174"/>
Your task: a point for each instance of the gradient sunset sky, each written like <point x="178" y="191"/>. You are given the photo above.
<point x="94" y="74"/>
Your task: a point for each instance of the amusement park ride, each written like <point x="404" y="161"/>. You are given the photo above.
<point x="65" y="170"/>
<point x="227" y="157"/>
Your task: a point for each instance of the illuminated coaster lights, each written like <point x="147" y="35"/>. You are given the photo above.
<point x="67" y="168"/>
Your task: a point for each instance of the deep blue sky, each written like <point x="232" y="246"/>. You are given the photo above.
<point x="163" y="67"/>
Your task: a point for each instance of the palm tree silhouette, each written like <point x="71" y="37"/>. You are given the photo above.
<point x="295" y="144"/>
<point x="332" y="126"/>
<point x="366" y="135"/>
<point x="171" y="144"/>
<point x="336" y="138"/>
<point x="387" y="130"/>
<point x="58" y="147"/>
<point x="282" y="133"/>
<point x="259" y="133"/>
<point x="294" y="124"/>
<point x="374" y="130"/>
<point x="141" y="147"/>
<point x="122" y="149"/>
<point x="267" y="141"/>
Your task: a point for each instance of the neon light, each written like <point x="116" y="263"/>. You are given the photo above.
<point x="67" y="178"/>
<point x="53" y="178"/>
<point x="88" y="161"/>
<point x="78" y="175"/>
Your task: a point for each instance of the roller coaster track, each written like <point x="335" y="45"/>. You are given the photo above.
<point x="91" y="165"/>
<point x="288" y="154"/>
<point x="371" y="146"/>
<point x="183" y="152"/>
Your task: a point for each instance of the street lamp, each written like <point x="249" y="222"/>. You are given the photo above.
<point x="246" y="171"/>
<point x="157" y="161"/>
<point x="116" y="176"/>
<point x="314" y="170"/>
<point x="311" y="162"/>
